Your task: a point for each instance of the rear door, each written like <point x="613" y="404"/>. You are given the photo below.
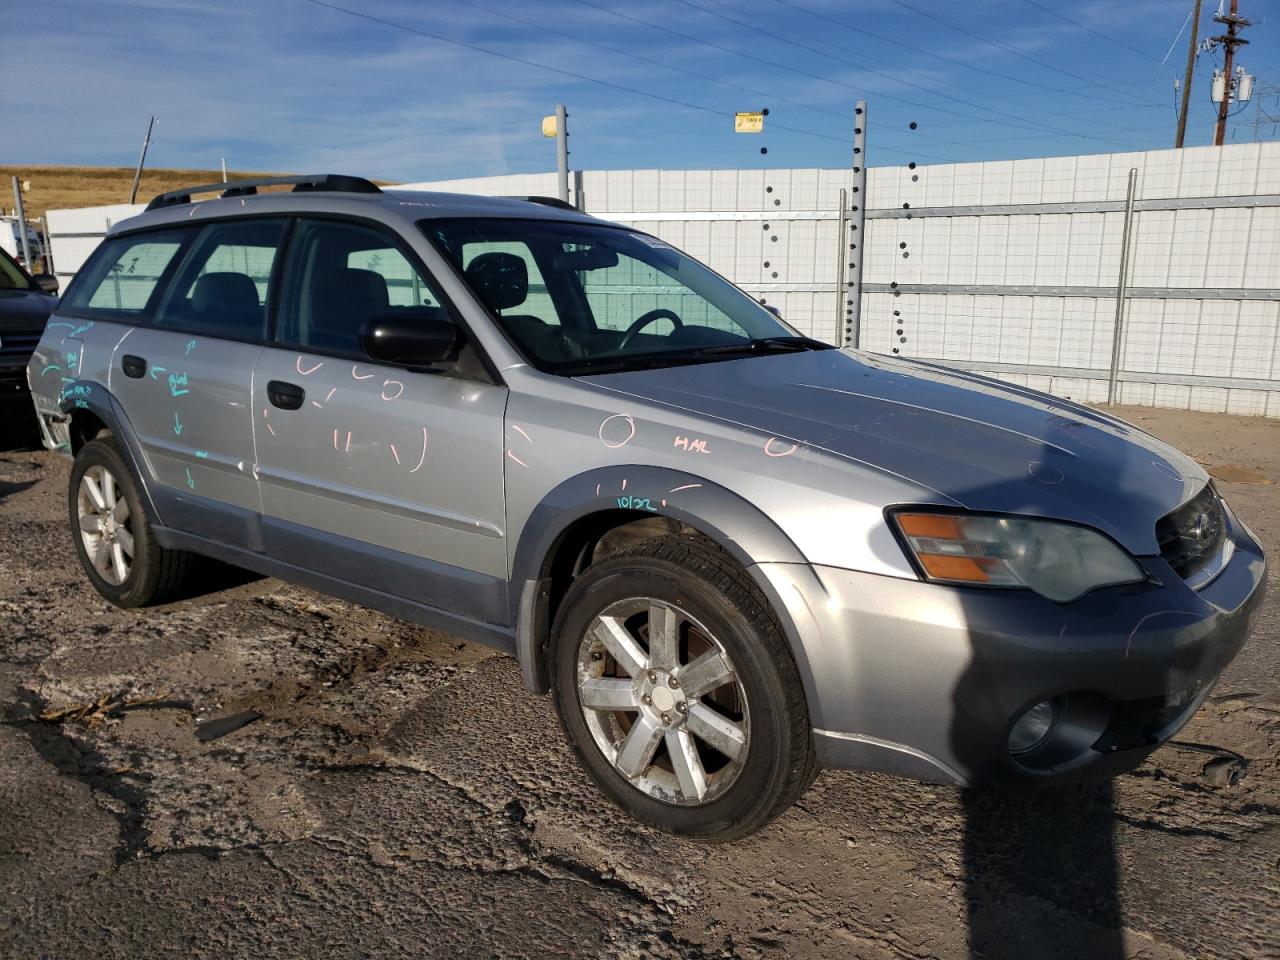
<point x="378" y="475"/>
<point x="185" y="379"/>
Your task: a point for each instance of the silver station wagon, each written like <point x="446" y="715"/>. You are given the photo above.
<point x="735" y="555"/>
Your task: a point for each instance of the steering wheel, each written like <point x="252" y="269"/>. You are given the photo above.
<point x="642" y="321"/>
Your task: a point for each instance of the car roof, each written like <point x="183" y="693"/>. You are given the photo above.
<point x="389" y="205"/>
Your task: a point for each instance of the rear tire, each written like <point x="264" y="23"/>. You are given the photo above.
<point x="112" y="535"/>
<point x="697" y="726"/>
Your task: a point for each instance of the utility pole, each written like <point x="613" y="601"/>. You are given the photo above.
<point x="142" y="158"/>
<point x="1186" y="80"/>
<point x="22" y="225"/>
<point x="1229" y="40"/>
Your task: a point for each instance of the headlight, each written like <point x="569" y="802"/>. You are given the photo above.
<point x="1060" y="561"/>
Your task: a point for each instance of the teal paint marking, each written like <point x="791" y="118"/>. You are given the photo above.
<point x="52" y="366"/>
<point x="155" y="370"/>
<point x="191" y="484"/>
<point x="202" y="454"/>
<point x="191" y="345"/>
<point x="636" y="503"/>
<point x="177" y="426"/>
<point x="71" y="358"/>
<point x="177" y="380"/>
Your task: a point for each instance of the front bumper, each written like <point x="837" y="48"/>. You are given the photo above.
<point x="926" y="681"/>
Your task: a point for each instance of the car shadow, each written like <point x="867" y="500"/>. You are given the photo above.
<point x="1041" y="874"/>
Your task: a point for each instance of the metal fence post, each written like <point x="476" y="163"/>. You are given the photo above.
<point x="841" y="229"/>
<point x="562" y="152"/>
<point x="1122" y="288"/>
<point x="22" y="224"/>
<point x="853" y="239"/>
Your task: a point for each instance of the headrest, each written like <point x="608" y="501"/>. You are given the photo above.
<point x="224" y="291"/>
<point x="501" y="280"/>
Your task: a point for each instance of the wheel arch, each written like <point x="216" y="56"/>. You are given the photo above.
<point x="582" y="510"/>
<point x="90" y="409"/>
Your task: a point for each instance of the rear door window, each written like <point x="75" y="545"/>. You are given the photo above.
<point x="223" y="285"/>
<point x="121" y="279"/>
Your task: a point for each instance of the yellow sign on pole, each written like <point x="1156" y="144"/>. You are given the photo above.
<point x="549" y="126"/>
<point x="748" y="122"/>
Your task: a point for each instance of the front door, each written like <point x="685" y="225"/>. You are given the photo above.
<point x="377" y="475"/>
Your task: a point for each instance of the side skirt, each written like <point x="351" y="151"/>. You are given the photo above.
<point x="490" y="634"/>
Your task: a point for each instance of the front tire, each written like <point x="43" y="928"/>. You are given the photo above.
<point x="677" y="690"/>
<point x="112" y="535"/>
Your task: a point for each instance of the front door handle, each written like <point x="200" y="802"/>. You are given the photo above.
<point x="132" y="366"/>
<point x="286" y="396"/>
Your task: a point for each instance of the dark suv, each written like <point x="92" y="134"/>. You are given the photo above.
<point x="25" y="305"/>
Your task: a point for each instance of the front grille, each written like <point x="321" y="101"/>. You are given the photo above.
<point x="1193" y="534"/>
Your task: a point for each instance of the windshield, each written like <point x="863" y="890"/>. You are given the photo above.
<point x="580" y="298"/>
<point x="11" y="275"/>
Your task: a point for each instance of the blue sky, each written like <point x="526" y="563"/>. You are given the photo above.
<point x="298" y="85"/>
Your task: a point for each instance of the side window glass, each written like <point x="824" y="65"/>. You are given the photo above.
<point x="339" y="277"/>
<point x="487" y="265"/>
<point x="119" y="280"/>
<point x="404" y="287"/>
<point x="221" y="287"/>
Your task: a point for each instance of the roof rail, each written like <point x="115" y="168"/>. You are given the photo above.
<point x="335" y="182"/>
<point x="547" y="202"/>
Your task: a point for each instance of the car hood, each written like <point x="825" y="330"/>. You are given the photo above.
<point x="24" y="310"/>
<point x="976" y="442"/>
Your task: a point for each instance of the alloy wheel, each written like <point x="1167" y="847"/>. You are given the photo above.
<point x="106" y="528"/>
<point x="663" y="701"/>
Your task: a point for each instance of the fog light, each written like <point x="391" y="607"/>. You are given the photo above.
<point x="1033" y="727"/>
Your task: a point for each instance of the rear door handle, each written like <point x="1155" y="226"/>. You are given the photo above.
<point x="132" y="366"/>
<point x="286" y="396"/>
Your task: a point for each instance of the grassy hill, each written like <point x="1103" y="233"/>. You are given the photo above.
<point x="57" y="188"/>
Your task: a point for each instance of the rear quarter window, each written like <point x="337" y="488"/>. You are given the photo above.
<point x="120" y="280"/>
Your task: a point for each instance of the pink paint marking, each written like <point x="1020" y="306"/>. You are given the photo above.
<point x="329" y="396"/>
<point x="782" y="453"/>
<point x="520" y="430"/>
<point x="664" y="503"/>
<point x="335" y="439"/>
<point x="597" y="489"/>
<point x="306" y="373"/>
<point x="1159" y="613"/>
<point x="423" y="458"/>
<point x="624" y="484"/>
<point x="687" y="486"/>
<point x="394" y="453"/>
<point x="512" y="456"/>
<point x="367" y="376"/>
<point x="316" y="404"/>
<point x="272" y="429"/>
<point x="396" y="395"/>
<point x="621" y="443"/>
<point x="348" y="447"/>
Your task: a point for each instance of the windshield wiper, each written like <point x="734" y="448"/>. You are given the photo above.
<point x="763" y="345"/>
<point x="618" y="364"/>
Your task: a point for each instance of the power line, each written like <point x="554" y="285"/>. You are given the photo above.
<point x="668" y="66"/>
<point x="1001" y="46"/>
<point x="814" y="76"/>
<point x="395" y="25"/>
<point x="1097" y="33"/>
<point x="897" y="79"/>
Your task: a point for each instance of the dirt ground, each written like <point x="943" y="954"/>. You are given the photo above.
<point x="399" y="792"/>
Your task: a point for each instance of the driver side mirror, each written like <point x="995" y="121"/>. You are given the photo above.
<point x="46" y="282"/>
<point x="415" y="337"/>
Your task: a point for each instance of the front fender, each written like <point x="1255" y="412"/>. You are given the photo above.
<point x="735" y="524"/>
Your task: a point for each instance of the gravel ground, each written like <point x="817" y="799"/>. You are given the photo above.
<point x="399" y="792"/>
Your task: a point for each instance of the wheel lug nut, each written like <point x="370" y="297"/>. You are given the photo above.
<point x="680" y="707"/>
<point x="653" y="677"/>
<point x="665" y="718"/>
<point x="645" y="700"/>
<point x="672" y="682"/>
<point x="596" y="656"/>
